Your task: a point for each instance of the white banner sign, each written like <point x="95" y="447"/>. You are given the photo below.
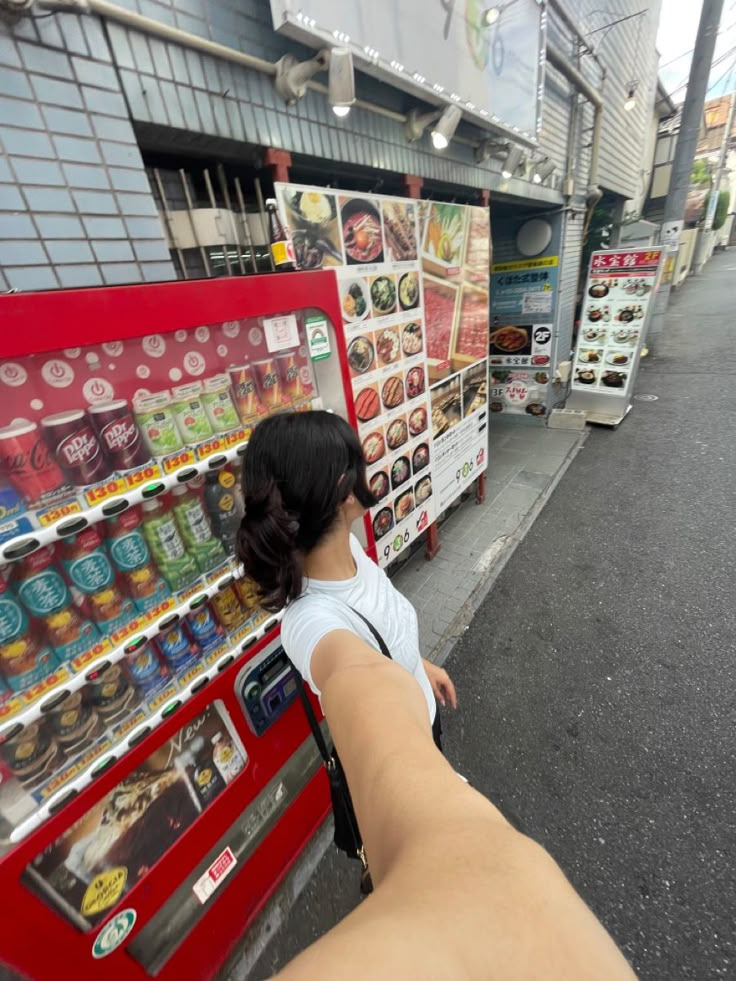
<point x="438" y="47"/>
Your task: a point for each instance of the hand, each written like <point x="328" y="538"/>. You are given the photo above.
<point x="442" y="686"/>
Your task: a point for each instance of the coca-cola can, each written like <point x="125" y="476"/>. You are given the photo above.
<point x="119" y="434"/>
<point x="244" y="390"/>
<point x="27" y="462"/>
<point x="76" y="446"/>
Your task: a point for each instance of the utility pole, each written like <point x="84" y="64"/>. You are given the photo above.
<point x="687" y="140"/>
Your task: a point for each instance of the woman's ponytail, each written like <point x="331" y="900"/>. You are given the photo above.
<point x="267" y="547"/>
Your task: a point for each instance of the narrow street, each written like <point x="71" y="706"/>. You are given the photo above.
<point x="596" y="683"/>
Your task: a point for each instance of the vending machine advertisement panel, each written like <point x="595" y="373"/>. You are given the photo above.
<point x="156" y="779"/>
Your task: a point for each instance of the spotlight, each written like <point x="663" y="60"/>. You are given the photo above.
<point x="417" y="122"/>
<point x="630" y="97"/>
<point x="511" y="163"/>
<point x="446" y="126"/>
<point x="341" y="86"/>
<point x="490" y="16"/>
<point x="544" y="169"/>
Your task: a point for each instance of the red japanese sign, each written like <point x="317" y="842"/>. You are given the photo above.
<point x="626" y="260"/>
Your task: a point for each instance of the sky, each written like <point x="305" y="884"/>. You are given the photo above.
<point x="678" y="27"/>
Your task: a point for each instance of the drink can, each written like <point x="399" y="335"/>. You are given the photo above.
<point x="28" y="463"/>
<point x="157" y="424"/>
<point x="76" y="446"/>
<point x="218" y="404"/>
<point x="177" y="649"/>
<point x="268" y="382"/>
<point x="119" y="434"/>
<point x="146" y="671"/>
<point x="244" y="391"/>
<point x="204" y="627"/>
<point x="291" y="378"/>
<point x="25" y="662"/>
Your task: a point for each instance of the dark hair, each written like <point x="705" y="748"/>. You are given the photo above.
<point x="298" y="468"/>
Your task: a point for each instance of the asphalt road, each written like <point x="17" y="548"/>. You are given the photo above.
<point x="597" y="681"/>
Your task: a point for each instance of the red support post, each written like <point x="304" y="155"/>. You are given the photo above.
<point x="279" y="161"/>
<point x="485" y="198"/>
<point x="480" y="489"/>
<point x="413" y="187"/>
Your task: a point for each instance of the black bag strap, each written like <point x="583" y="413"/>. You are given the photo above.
<point x="382" y="646"/>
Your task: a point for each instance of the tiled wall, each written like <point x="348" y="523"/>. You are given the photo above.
<point x="75" y="203"/>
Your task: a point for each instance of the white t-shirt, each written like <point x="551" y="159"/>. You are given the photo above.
<point x="324" y="607"/>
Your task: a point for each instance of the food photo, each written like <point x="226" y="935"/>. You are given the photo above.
<point x="383" y="295"/>
<point x="388" y="345"/>
<point x="355" y="300"/>
<point x="379" y="484"/>
<point x="383" y="522"/>
<point x="510" y="339"/>
<point x="361" y="231"/>
<point x="447" y="409"/>
<point x="415" y="383"/>
<point x="392" y="392"/>
<point x="374" y="447"/>
<point x="404" y="505"/>
<point x="397" y="433"/>
<point x="586" y="376"/>
<point x="399" y="225"/>
<point x="420" y="457"/>
<point x="361" y="355"/>
<point x="614" y="379"/>
<point x="411" y="339"/>
<point x="312" y="220"/>
<point x="423" y="490"/>
<point x="598" y="289"/>
<point x="367" y="404"/>
<point x="400" y="471"/>
<point x="418" y="421"/>
<point x="409" y="291"/>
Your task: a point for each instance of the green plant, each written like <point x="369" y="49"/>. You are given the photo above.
<point x="700" y="174"/>
<point x="719" y="219"/>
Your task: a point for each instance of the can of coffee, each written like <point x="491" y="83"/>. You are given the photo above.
<point x="27" y="462"/>
<point x="244" y="391"/>
<point x="291" y="378"/>
<point x="268" y="382"/>
<point x="119" y="434"/>
<point x="76" y="447"/>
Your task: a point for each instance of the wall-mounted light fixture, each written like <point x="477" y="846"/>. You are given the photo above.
<point x="341" y="83"/>
<point x="491" y="15"/>
<point x="292" y="77"/>
<point x="630" y="102"/>
<point x="490" y="148"/>
<point x="447" y="121"/>
<point x="543" y="169"/>
<point x="444" y="131"/>
<point x="512" y="162"/>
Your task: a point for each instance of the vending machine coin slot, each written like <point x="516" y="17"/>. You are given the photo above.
<point x="266" y="688"/>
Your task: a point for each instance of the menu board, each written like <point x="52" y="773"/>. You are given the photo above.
<point x="413" y="283"/>
<point x="519" y="392"/>
<point x="617" y="304"/>
<point x="99" y="859"/>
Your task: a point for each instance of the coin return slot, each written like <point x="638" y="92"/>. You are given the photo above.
<point x="115" y="507"/>
<point x="139" y="737"/>
<point x="20" y="549"/>
<point x="72" y="527"/>
<point x="56" y="700"/>
<point x="189" y="474"/>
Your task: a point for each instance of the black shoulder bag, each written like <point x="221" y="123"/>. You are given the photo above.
<point x="347" y="833"/>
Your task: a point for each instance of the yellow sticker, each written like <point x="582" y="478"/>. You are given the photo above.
<point x="104" y="891"/>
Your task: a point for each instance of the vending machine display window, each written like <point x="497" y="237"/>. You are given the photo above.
<point x="121" y="499"/>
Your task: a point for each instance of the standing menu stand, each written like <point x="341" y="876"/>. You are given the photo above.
<point x="618" y="305"/>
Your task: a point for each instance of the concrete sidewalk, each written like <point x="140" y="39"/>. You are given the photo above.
<point x="526" y="461"/>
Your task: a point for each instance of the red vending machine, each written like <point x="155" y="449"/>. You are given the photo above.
<point x="156" y="779"/>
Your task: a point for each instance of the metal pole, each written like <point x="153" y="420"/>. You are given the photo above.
<point x="687" y="140"/>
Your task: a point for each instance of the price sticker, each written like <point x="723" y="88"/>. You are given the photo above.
<point x="51" y="515"/>
<point x="212" y="446"/>
<point x="103" y="492"/>
<point x="178" y="461"/>
<point x="142" y="476"/>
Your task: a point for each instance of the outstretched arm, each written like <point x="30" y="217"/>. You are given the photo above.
<point x="459" y="893"/>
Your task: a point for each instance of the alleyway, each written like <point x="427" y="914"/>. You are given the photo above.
<point x="596" y="681"/>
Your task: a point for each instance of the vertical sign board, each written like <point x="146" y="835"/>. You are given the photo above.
<point x="413" y="283"/>
<point x="524" y="307"/>
<point x="617" y="306"/>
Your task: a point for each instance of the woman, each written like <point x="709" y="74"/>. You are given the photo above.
<point x="304" y="485"/>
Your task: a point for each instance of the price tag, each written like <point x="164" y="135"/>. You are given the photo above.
<point x="142" y="476"/>
<point x="82" y="660"/>
<point x="102" y="492"/>
<point x="177" y="461"/>
<point x="59" y="677"/>
<point x="236" y="437"/>
<point x="51" y="515"/>
<point x="212" y="446"/>
<point x="282" y="333"/>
